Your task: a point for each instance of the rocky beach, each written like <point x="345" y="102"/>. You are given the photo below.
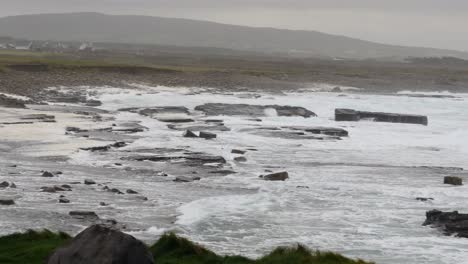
<point x="241" y="172"/>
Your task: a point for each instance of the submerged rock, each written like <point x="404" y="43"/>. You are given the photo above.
<point x="424" y="199"/>
<point x="100" y="244"/>
<point x="88" y="215"/>
<point x="237" y="151"/>
<point x="186" y="179"/>
<point x="240" y="159"/>
<point x="279" y="176"/>
<point x="451" y="223"/>
<point x="354" y="115"/>
<point x="64" y="200"/>
<point x="453" y="180"/>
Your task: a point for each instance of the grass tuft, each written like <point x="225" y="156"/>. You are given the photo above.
<point x="34" y="247"/>
<point x="31" y="247"/>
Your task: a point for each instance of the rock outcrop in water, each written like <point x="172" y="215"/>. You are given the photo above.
<point x="354" y="115"/>
<point x="252" y="110"/>
<point x="453" y="180"/>
<point x="451" y="223"/>
<point x="101" y="244"/>
<point x="279" y="176"/>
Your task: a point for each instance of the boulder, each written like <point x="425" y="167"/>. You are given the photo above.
<point x="47" y="174"/>
<point x="453" y="180"/>
<point x="64" y="200"/>
<point x="240" y="159"/>
<point x="189" y="134"/>
<point x="4" y="184"/>
<point x="450" y="223"/>
<point x="101" y="244"/>
<point x="186" y="179"/>
<point x="237" y="151"/>
<point x="354" y="115"/>
<point x="54" y="189"/>
<point x="89" y="182"/>
<point x="130" y="191"/>
<point x="7" y="202"/>
<point x="279" y="176"/>
<point x="207" y="135"/>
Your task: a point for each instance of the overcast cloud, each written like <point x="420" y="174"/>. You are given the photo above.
<point x="430" y="23"/>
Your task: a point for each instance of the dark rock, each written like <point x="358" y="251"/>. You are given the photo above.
<point x="58" y="172"/>
<point x="251" y="110"/>
<point x="13" y="185"/>
<point x="240" y="159"/>
<point x="223" y="172"/>
<point x="193" y="158"/>
<point x="53" y="189"/>
<point x="64" y="200"/>
<point x="115" y="190"/>
<point x="424" y="199"/>
<point x="279" y="176"/>
<point x="302" y="187"/>
<point x="75" y="130"/>
<point x="10" y="102"/>
<point x="337" y="89"/>
<point x="93" y="103"/>
<point x="237" y="151"/>
<point x="66" y="186"/>
<point x="354" y="115"/>
<point x="100" y="244"/>
<point x="189" y="134"/>
<point x="47" y="174"/>
<point x="4" y="184"/>
<point x="186" y="179"/>
<point x="118" y="164"/>
<point x="106" y="147"/>
<point x="7" y="202"/>
<point x="89" y="182"/>
<point x="175" y="119"/>
<point x="453" y="180"/>
<point x="207" y="135"/>
<point x="103" y="204"/>
<point x="451" y="223"/>
<point x="88" y="215"/>
<point x="130" y="191"/>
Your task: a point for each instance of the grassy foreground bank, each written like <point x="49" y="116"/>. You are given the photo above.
<point x="34" y="248"/>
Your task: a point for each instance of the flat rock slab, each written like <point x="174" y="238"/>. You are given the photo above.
<point x="354" y="115"/>
<point x="252" y="110"/>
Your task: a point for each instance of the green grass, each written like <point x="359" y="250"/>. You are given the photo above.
<point x="34" y="248"/>
<point x="31" y="247"/>
<point x="171" y="249"/>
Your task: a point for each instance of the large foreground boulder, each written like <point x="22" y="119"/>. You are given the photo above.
<point x="451" y="223"/>
<point x="354" y="115"/>
<point x="101" y="244"/>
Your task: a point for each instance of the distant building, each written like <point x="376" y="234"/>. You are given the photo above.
<point x="87" y="46"/>
<point x="24" y="46"/>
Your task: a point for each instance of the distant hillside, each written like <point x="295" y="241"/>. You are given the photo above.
<point x="97" y="27"/>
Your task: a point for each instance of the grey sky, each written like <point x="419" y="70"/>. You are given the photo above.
<point x="431" y="23"/>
